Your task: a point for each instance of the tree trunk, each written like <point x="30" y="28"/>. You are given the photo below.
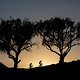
<point x="14" y="58"/>
<point x="15" y="65"/>
<point x="61" y="59"/>
<point x="16" y="62"/>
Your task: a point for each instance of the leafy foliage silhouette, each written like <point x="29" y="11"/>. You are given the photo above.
<point x="61" y="33"/>
<point x="15" y="36"/>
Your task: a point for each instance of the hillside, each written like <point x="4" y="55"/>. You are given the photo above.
<point x="70" y="70"/>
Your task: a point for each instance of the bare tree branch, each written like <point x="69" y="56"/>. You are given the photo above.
<point x="48" y="47"/>
<point x="28" y="46"/>
<point x="10" y="56"/>
<point x="70" y="42"/>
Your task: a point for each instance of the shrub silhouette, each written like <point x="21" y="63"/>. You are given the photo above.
<point x="30" y="65"/>
<point x="40" y="63"/>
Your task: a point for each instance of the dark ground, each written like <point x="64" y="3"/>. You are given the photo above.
<point x="65" y="71"/>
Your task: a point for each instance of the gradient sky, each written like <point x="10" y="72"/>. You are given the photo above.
<point x="37" y="10"/>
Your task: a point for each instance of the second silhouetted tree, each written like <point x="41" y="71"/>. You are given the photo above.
<point x="58" y="33"/>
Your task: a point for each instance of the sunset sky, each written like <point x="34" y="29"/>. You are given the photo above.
<point x="37" y="10"/>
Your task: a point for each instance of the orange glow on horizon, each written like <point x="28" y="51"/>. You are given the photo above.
<point x="38" y="54"/>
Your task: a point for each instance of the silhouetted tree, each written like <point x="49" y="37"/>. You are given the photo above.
<point x="15" y="36"/>
<point x="61" y="33"/>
